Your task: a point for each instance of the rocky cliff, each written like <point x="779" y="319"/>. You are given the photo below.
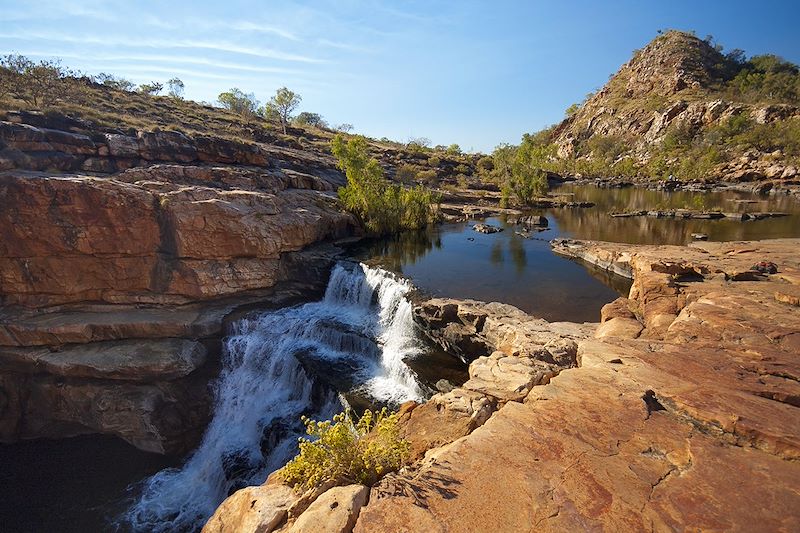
<point x="678" y="412"/>
<point x="122" y="254"/>
<point x="681" y="107"/>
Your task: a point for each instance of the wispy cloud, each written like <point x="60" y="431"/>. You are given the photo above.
<point x="173" y="59"/>
<point x="254" y="27"/>
<point x="49" y="10"/>
<point x="147" y="69"/>
<point x="221" y="46"/>
<point x="341" y="46"/>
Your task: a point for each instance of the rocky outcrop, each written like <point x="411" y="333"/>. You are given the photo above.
<point x="259" y="509"/>
<point x="680" y="414"/>
<point x="121" y="257"/>
<point x="25" y="146"/>
<point x="691" y="425"/>
<point x="672" y="83"/>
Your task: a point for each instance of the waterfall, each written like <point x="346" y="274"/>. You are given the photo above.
<point x="276" y="367"/>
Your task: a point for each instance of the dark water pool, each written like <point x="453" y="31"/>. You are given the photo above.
<point x="595" y="223"/>
<point x="77" y="484"/>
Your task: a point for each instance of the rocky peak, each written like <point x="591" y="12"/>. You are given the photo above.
<point x="677" y="83"/>
<point x="670" y="63"/>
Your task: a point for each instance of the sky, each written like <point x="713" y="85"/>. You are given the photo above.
<point x="468" y="72"/>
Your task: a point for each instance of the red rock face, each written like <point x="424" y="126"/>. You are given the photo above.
<point x="108" y="281"/>
<point x="78" y="238"/>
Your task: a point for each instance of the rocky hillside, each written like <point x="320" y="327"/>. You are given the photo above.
<point x="681" y="107"/>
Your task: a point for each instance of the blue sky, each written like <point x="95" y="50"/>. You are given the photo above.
<point x="472" y="73"/>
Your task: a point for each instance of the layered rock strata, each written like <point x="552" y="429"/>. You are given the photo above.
<point x="121" y="256"/>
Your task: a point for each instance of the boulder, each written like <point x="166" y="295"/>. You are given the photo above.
<point x="166" y="146"/>
<point x="335" y="511"/>
<point x="258" y="509"/>
<point x="486" y="228"/>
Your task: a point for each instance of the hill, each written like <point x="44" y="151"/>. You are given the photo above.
<point x="101" y="105"/>
<point x="681" y="107"/>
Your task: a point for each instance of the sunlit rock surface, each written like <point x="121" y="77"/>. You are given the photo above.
<point x="694" y="424"/>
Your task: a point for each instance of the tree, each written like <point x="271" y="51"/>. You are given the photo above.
<point x="418" y="144"/>
<point x="38" y="84"/>
<point x="529" y="178"/>
<point x="310" y="119"/>
<point x="283" y="104"/>
<point x="175" y="87"/>
<point x="454" y="149"/>
<point x="344" y="127"/>
<point x="152" y="88"/>
<point x="109" y="80"/>
<point x="571" y="110"/>
<point x="381" y="207"/>
<point x="502" y="161"/>
<point x="238" y="101"/>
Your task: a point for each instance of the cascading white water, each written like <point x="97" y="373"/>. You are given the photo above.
<point x="362" y="325"/>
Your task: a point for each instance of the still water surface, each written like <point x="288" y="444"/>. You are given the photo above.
<point x="453" y="260"/>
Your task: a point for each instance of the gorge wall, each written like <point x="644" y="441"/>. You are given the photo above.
<point x="122" y="254"/>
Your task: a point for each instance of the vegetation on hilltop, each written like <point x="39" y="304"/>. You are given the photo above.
<point x="106" y="103"/>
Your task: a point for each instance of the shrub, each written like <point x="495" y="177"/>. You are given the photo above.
<point x="406" y="173"/>
<point x="454" y="149"/>
<point x="431" y="177"/>
<point x="434" y="161"/>
<point x="239" y="102"/>
<point x="485" y="164"/>
<point x="345" y="451"/>
<point x="381" y="207"/>
<point x="38" y="84"/>
<point x="310" y="119"/>
<point x="418" y="144"/>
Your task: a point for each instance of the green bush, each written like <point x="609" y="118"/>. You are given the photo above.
<point x="382" y="208"/>
<point x="345" y="451"/>
<point x="454" y="149"/>
<point x="434" y="161"/>
<point x="406" y="173"/>
<point x="485" y="164"/>
<point x="431" y="177"/>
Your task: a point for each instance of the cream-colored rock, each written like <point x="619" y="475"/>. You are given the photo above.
<point x="628" y="328"/>
<point x="335" y="511"/>
<point x="444" y="418"/>
<point x="508" y="378"/>
<point x="258" y="509"/>
<point x="131" y="360"/>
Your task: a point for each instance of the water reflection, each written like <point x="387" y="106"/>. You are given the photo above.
<point x="518" y="268"/>
<point x="596" y="223"/>
<point x="403" y="249"/>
